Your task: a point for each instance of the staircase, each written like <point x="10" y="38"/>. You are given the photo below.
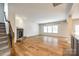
<point x="4" y="47"/>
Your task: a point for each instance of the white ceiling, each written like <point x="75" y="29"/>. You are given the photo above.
<point x="41" y="12"/>
<point x="75" y="11"/>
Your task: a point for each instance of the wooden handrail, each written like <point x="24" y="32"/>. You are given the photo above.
<point x="11" y="33"/>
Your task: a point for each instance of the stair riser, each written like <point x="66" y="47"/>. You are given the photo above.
<point x="3" y="39"/>
<point x="2" y="27"/>
<point x="2" y="35"/>
<point x="5" y="52"/>
<point x="3" y="45"/>
<point x="2" y="42"/>
<point x="2" y="30"/>
<point x="1" y="24"/>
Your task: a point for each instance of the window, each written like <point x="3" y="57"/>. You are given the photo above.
<point x="77" y="29"/>
<point x="49" y="29"/>
<point x="45" y="29"/>
<point x="55" y="29"/>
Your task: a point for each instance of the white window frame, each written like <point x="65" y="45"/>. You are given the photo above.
<point x="55" y="28"/>
<point x="45" y="29"/>
<point x="49" y="29"/>
<point x="77" y="29"/>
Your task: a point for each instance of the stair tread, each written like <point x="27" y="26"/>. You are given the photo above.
<point x="2" y="27"/>
<point x="2" y="33"/>
<point x="4" y="37"/>
<point x="5" y="47"/>
<point x="2" y="22"/>
<point x="6" y="41"/>
<point x="5" y="52"/>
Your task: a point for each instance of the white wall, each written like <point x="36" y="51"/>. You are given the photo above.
<point x="1" y="12"/>
<point x="62" y="29"/>
<point x="30" y="28"/>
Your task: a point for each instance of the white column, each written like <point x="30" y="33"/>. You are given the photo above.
<point x="70" y="25"/>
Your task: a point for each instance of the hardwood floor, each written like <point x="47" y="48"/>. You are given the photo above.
<point x="42" y="46"/>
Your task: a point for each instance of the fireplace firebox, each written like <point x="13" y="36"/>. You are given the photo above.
<point x="19" y="32"/>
